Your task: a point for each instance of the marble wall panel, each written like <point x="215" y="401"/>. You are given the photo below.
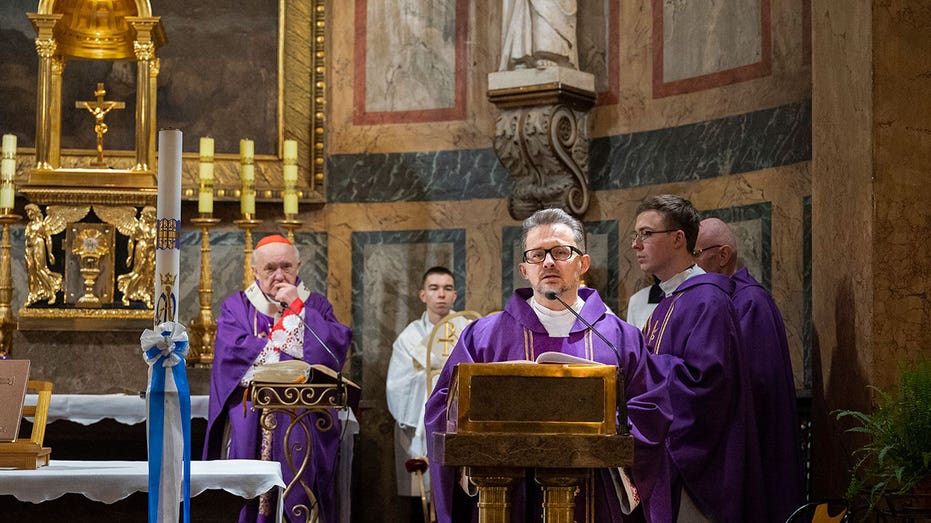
<point x="708" y="43"/>
<point x="420" y="73"/>
<point x="735" y="144"/>
<point x="598" y="45"/>
<point x="387" y="269"/>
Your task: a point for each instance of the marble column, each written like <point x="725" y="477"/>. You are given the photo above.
<point x="871" y="308"/>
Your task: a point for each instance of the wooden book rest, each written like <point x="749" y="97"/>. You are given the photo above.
<point x="30" y="454"/>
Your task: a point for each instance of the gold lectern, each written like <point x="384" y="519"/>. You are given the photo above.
<point x="324" y="391"/>
<point x="558" y="419"/>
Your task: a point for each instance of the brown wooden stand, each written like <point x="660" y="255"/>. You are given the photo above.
<point x="30" y="454"/>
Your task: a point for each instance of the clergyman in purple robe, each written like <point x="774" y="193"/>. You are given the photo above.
<point x="255" y="328"/>
<point x="713" y="465"/>
<point x="764" y="340"/>
<point x="530" y="325"/>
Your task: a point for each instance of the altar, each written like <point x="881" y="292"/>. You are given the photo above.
<point x="102" y="436"/>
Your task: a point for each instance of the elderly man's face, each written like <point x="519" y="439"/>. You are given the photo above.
<point x="552" y="275"/>
<point x="275" y="263"/>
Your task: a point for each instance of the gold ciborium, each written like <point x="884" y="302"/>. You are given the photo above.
<point x="90" y="245"/>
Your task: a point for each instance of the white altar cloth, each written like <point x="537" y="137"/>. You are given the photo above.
<point x="87" y="409"/>
<point x="111" y="481"/>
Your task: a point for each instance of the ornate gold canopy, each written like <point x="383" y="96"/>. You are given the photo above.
<point x="94" y="30"/>
<point x="77" y="292"/>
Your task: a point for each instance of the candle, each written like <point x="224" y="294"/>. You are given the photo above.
<point x="290" y="150"/>
<point x="168" y="226"/>
<point x="247" y="174"/>
<point x="7" y="171"/>
<point x="205" y="197"/>
<point x="290" y="202"/>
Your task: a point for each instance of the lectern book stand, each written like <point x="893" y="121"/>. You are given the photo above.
<point x="14" y="452"/>
<point x="558" y="419"/>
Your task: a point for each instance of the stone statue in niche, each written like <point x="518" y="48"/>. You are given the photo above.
<point x="539" y="33"/>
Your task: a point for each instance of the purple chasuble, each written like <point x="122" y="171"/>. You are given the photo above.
<point x="712" y="445"/>
<point x="774" y="403"/>
<point x="517" y="334"/>
<point x="242" y="332"/>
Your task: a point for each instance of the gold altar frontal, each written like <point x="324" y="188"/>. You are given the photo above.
<point x="558" y="419"/>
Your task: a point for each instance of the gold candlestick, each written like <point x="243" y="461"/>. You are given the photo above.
<point x="7" y="320"/>
<point x="203" y="328"/>
<point x="247" y="223"/>
<point x="290" y="222"/>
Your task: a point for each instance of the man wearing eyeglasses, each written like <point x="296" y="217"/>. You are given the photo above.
<point x="712" y="459"/>
<point x="554" y="260"/>
<point x="767" y="349"/>
<point x="265" y="324"/>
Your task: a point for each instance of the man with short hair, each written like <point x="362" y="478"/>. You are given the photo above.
<point x="406" y="384"/>
<point x="712" y="461"/>
<point x="554" y="261"/>
<point x="764" y="341"/>
<point x="266" y="324"/>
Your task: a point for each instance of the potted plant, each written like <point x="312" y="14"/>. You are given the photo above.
<point x="892" y="472"/>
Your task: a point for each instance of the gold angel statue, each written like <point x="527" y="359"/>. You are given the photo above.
<point x="44" y="283"/>
<point x="139" y="283"/>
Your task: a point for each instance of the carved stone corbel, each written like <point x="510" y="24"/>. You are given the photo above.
<point x="542" y="137"/>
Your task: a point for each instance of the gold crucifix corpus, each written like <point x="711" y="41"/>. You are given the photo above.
<point x="99" y="109"/>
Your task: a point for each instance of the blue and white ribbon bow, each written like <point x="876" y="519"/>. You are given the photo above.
<point x="169" y="420"/>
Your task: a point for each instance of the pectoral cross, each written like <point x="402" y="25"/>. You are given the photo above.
<point x="99" y="109"/>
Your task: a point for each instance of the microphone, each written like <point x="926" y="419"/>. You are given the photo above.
<point x="619" y="382"/>
<point x="339" y="368"/>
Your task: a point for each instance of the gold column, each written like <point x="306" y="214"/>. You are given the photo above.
<point x="54" y="155"/>
<point x="7" y="320"/>
<point x="45" y="48"/>
<point x="203" y="329"/>
<point x="560" y="486"/>
<point x="247" y="223"/>
<point x="494" y="487"/>
<point x="144" y="48"/>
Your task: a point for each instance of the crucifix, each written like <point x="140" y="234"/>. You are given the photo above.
<point x="99" y="109"/>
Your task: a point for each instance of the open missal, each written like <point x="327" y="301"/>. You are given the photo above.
<point x="14" y="375"/>
<point x="300" y="372"/>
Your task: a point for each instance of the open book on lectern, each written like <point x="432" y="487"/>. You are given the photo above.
<point x="300" y="372"/>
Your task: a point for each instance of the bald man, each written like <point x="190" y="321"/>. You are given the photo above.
<point x="764" y="339"/>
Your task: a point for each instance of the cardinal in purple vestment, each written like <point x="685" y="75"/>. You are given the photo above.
<point x="254" y="328"/>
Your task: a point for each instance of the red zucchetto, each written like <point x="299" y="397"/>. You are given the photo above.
<point x="272" y="238"/>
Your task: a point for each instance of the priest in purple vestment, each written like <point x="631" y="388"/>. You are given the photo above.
<point x="713" y="462"/>
<point x="531" y="324"/>
<point x="764" y="341"/>
<point x="256" y="328"/>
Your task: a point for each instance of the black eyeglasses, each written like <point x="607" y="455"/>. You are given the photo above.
<point x="698" y="252"/>
<point x="558" y="253"/>
<point x="641" y="236"/>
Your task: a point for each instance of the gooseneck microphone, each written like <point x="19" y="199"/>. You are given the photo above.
<point x="619" y="398"/>
<point x="339" y="368"/>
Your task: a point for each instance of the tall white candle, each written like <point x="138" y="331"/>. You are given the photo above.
<point x="168" y="226"/>
<point x="7" y="171"/>
<point x="205" y="196"/>
<point x="247" y="175"/>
